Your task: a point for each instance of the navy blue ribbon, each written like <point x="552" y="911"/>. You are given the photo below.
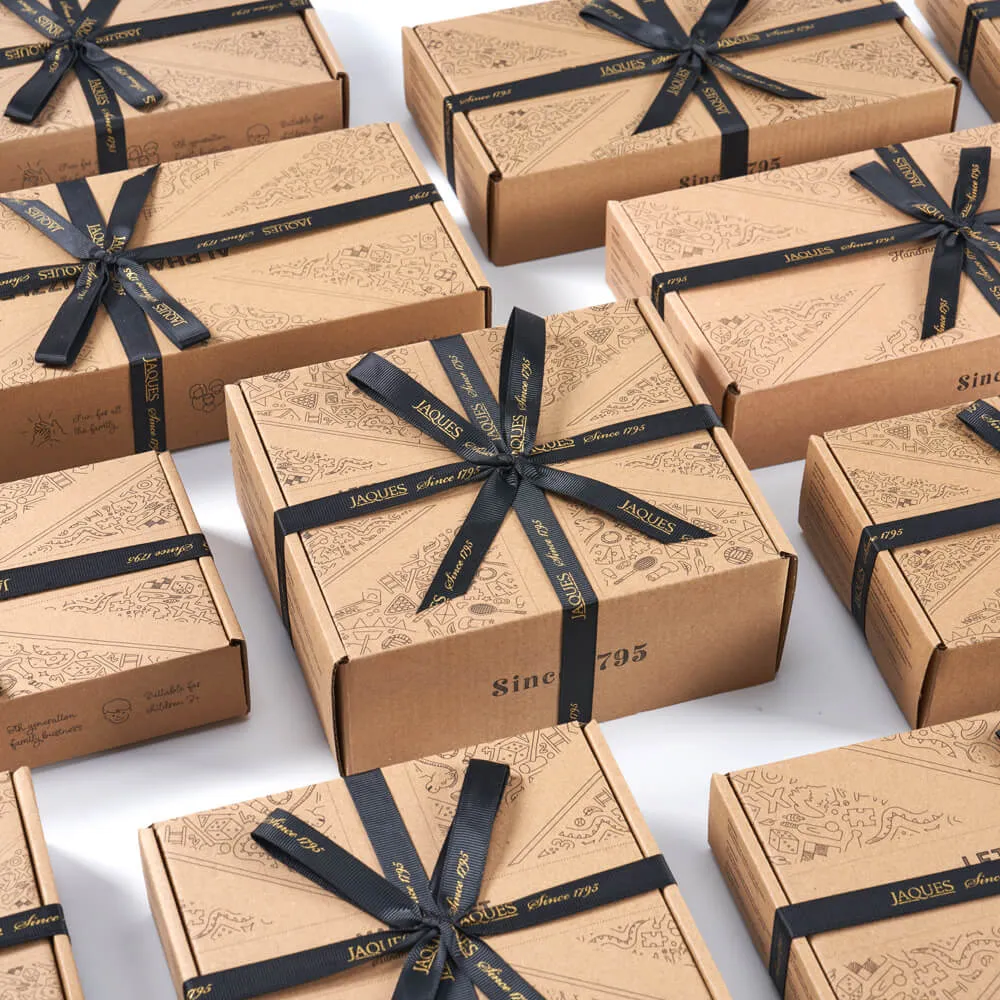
<point x="435" y="923"/>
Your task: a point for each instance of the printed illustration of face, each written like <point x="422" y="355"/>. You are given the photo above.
<point x="117" y="711"/>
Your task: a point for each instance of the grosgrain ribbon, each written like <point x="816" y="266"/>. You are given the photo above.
<point x="962" y="244"/>
<point x="692" y="63"/>
<point x="881" y="902"/>
<point x="54" y="574"/>
<point x="435" y="922"/>
<point x="32" y="925"/>
<point x="974" y="16"/>
<point x="984" y="420"/>
<point x="113" y="273"/>
<point x="78" y="38"/>
<point x="498" y="449"/>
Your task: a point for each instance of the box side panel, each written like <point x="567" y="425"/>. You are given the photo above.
<point x="756" y="889"/>
<point x="897" y="629"/>
<point x="425" y="91"/>
<point x="314" y="633"/>
<point x="166" y="912"/>
<point x="962" y="681"/>
<point x="119" y="709"/>
<point x="35" y="838"/>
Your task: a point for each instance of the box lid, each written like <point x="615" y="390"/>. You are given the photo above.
<point x="850" y="69"/>
<point x="823" y="316"/>
<point x="919" y="464"/>
<point x="192" y="70"/>
<point x="603" y="364"/>
<point x="245" y="294"/>
<point x="560" y="819"/>
<point x="74" y="634"/>
<point x="901" y="807"/>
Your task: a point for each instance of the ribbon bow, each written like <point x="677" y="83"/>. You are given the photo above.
<point x="497" y="445"/>
<point x="696" y="56"/>
<point x="109" y="272"/>
<point x="961" y="244"/>
<point x="437" y="922"/>
<point x="72" y="45"/>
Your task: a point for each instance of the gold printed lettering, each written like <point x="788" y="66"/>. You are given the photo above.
<point x="920" y="893"/>
<point x="438" y="418"/>
<point x="379" y="495"/>
<point x="795" y="256"/>
<point x="197" y="992"/>
<point x="649" y="517"/>
<point x="5" y="585"/>
<point x="288" y="227"/>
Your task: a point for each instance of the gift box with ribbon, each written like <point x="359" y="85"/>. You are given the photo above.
<point x="36" y="961"/>
<point x="114" y="624"/>
<point x="91" y="86"/>
<point x="969" y="32"/>
<point x="871" y="870"/>
<point x="127" y="301"/>
<point x="540" y="114"/>
<point x="507" y="528"/>
<point x="827" y="294"/>
<point x="519" y="868"/>
<point x="904" y="517"/>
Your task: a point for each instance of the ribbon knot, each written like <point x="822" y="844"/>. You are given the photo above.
<point x="75" y="42"/>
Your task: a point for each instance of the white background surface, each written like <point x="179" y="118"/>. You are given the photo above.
<point x="829" y="691"/>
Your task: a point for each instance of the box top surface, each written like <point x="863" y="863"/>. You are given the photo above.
<point x="28" y="971"/>
<point x="285" y="284"/>
<point x="819" y="317"/>
<point x="928" y="462"/>
<point x="205" y="67"/>
<point x="901" y="807"/>
<point x="857" y="68"/>
<point x="559" y="820"/>
<point x="91" y="630"/>
<point x="603" y="364"/>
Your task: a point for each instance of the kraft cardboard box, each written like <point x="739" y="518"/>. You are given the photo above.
<point x="970" y="41"/>
<point x="566" y="813"/>
<point x="823" y="344"/>
<point x="675" y="621"/>
<point x="123" y="656"/>
<point x="33" y="970"/>
<point x="932" y="608"/>
<point x="534" y="175"/>
<point x="899" y="808"/>
<point x="317" y="294"/>
<point x="244" y="83"/>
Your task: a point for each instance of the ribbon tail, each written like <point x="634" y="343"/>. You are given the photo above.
<point x="471" y="543"/>
<point x="125" y="80"/>
<point x="459" y="874"/>
<point x="670" y="98"/>
<point x="624" y="507"/>
<point x="109" y="125"/>
<point x="422" y="971"/>
<point x="943" y="285"/>
<point x="69" y="328"/>
<point x="617" y="21"/>
<point x="717" y="16"/>
<point x="984" y="275"/>
<point x="176" y="322"/>
<point x="522" y="375"/>
<point x="30" y="99"/>
<point x="492" y="974"/>
<point x="50" y="223"/>
<point x="759" y="82"/>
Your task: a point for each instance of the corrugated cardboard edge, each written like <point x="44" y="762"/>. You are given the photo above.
<point x="24" y="793"/>
<point x="939" y="64"/>
<point x="737" y="466"/>
<point x="245" y="434"/>
<point x="166" y="912"/>
<point x="324" y="45"/>
<point x="223" y="606"/>
<point x="728" y="824"/>
<point x="822" y="455"/>
<point x="647" y="844"/>
<point x="461" y="246"/>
